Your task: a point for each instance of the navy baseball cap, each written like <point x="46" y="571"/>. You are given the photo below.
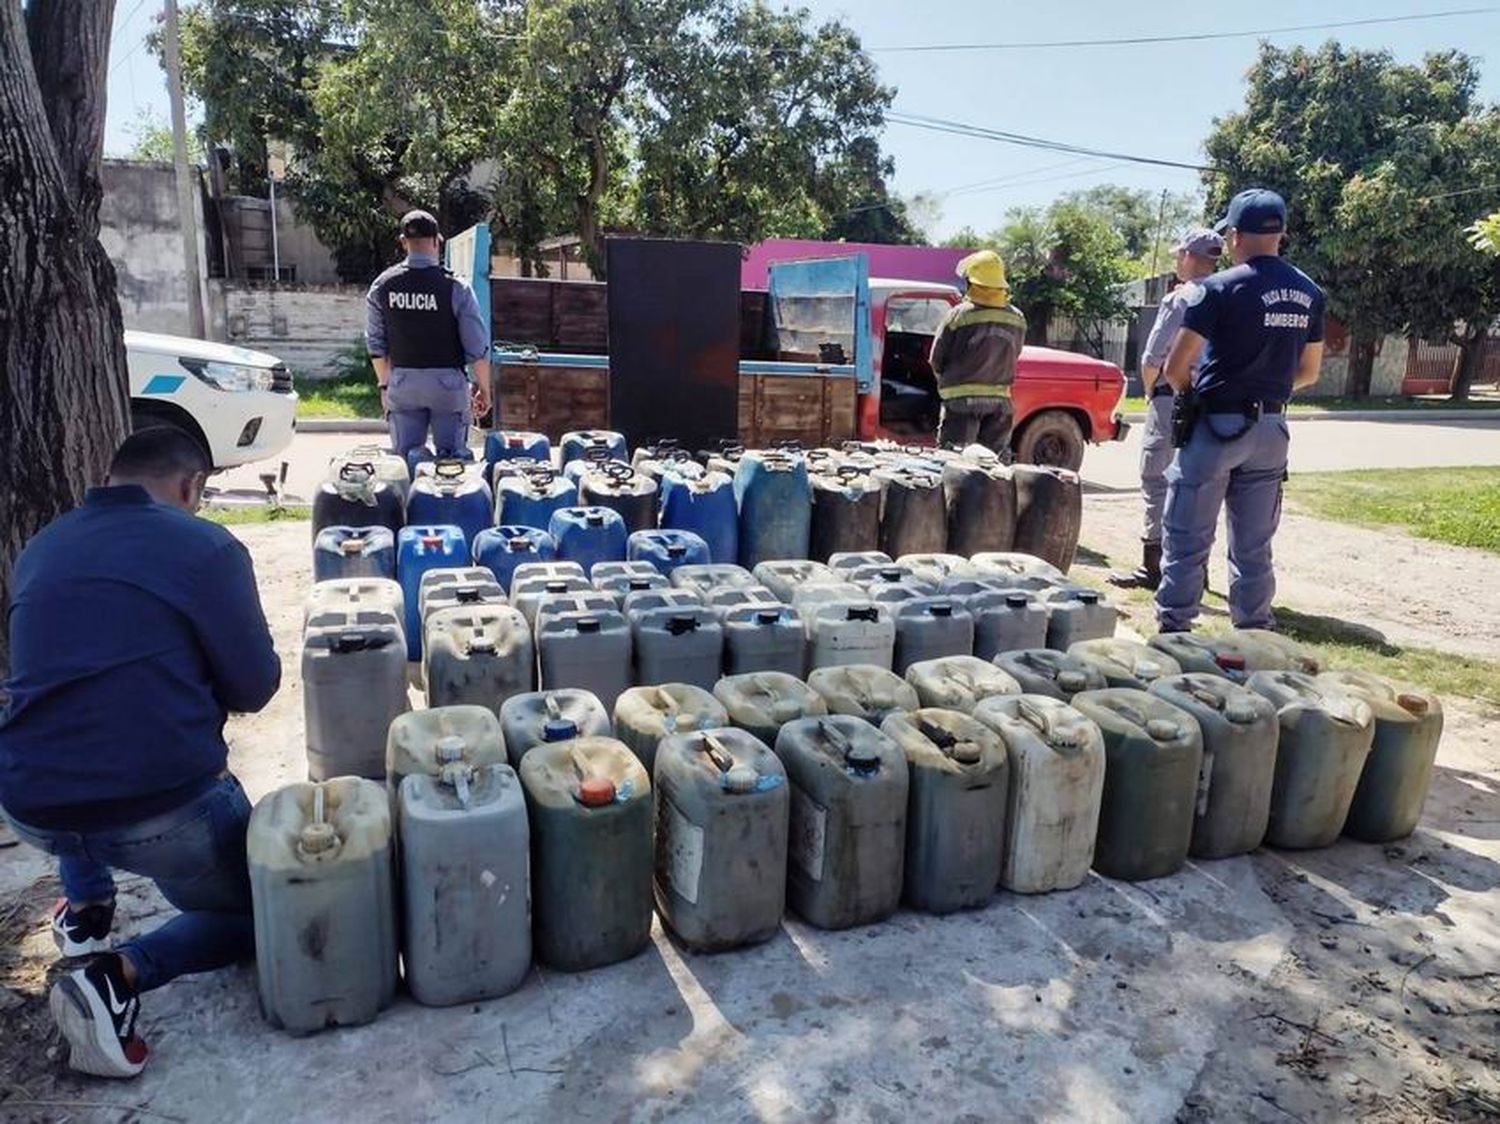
<point x="1257" y="210"/>
<point x="418" y="224"/>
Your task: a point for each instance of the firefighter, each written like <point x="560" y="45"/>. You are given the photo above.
<point x="974" y="358"/>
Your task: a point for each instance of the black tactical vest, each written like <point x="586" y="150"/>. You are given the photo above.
<point x="420" y="328"/>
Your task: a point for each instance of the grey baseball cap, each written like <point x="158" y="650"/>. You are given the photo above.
<point x="1201" y="241"/>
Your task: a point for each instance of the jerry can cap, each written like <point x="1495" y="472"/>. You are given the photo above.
<point x="1163" y="730"/>
<point x="944" y="609"/>
<point x="1088" y="597"/>
<point x="450" y="747"/>
<point x="1017" y="600"/>
<point x="482" y="646"/>
<point x="468" y="594"/>
<point x="741" y="778"/>
<point x="559" y="730"/>
<point x="317" y="838"/>
<point x="352" y="545"/>
<point x="1148" y="669"/>
<point x="594" y="519"/>
<point x="1240" y="712"/>
<point x="514" y="442"/>
<point x="680" y="624"/>
<point x="1070" y="680"/>
<point x="556" y="585"/>
<point x="638" y="583"/>
<point x="520" y="542"/>
<point x="1413" y="704"/>
<point x="432" y="540"/>
<point x="596" y="792"/>
<point x="676" y="549"/>
<point x="589" y="625"/>
<point x="768" y="616"/>
<point x="869" y="614"/>
<point x="1230" y="661"/>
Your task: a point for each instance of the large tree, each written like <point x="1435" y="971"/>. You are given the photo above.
<point x="1315" y="123"/>
<point x="63" y="388"/>
<point x="1148" y="221"/>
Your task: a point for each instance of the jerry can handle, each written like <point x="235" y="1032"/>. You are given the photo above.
<point x="721" y="757"/>
<point x="554" y="709"/>
<point x="938" y="736"/>
<point x="449" y="468"/>
<point x="665" y="701"/>
<point x="1035" y="717"/>
<point x="356" y="471"/>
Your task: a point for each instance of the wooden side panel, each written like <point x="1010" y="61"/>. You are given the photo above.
<point x="551" y="315"/>
<point x="814" y="411"/>
<point x="753" y="328"/>
<point x="553" y="400"/>
<point x="580" y="317"/>
<point x="521" y="310"/>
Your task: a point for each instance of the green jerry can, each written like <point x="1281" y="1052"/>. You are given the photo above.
<point x="721" y="839"/>
<point x="1153" y="762"/>
<point x="1299" y="657"/>
<point x="1393" y="787"/>
<point x="1056" y="783"/>
<point x="324" y="898"/>
<point x="958" y="682"/>
<point x="846" y="851"/>
<point x="762" y="702"/>
<point x="1124" y="663"/>
<point x="863" y="690"/>
<point x="955" y="809"/>
<point x="645" y="715"/>
<point x="1234" y="655"/>
<point x="1240" y="732"/>
<point x="1044" y="671"/>
<point x="589" y="805"/>
<point x="1326" y="736"/>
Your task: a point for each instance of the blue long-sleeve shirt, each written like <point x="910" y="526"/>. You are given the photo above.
<point x="471" y="331"/>
<point x="134" y="629"/>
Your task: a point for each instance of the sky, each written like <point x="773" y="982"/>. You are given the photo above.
<point x="1157" y="100"/>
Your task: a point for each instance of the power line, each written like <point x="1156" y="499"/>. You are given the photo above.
<point x="1097" y="169"/>
<point x="1199" y="37"/>
<point x="959" y="128"/>
<point x="137" y="45"/>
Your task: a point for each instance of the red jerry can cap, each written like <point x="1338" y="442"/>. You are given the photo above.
<point x="1230" y="661"/>
<point x="596" y="792"/>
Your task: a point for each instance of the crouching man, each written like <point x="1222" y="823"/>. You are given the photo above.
<point x="134" y="629"/>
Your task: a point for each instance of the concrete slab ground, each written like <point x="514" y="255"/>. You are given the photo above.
<point x="1358" y="981"/>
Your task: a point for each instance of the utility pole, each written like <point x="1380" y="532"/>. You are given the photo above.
<point x="1161" y="219"/>
<point x="187" y="212"/>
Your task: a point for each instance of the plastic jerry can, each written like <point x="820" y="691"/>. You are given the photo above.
<point x="890" y="573"/>
<point x="645" y="715"/>
<point x="531" y="571"/>
<point x="356" y="497"/>
<point x="913" y="519"/>
<point x="1298" y="657"/>
<point x="958" y="682"/>
<point x="1393" y="787"/>
<point x="762" y="702"/>
<point x="533" y="499"/>
<point x="674" y="645"/>
<point x="981" y="503"/>
<point x="1240" y="732"/>
<point x="1056" y="760"/>
<point x="706" y="507"/>
<point x="353" y="686"/>
<point x="850" y="632"/>
<point x="725" y="457"/>
<point x="894" y="596"/>
<point x="530" y="720"/>
<point x="863" y="691"/>
<point x="618" y="585"/>
<point x="422" y="741"/>
<point x="590" y="808"/>
<point x="1045" y="671"/>
<point x="589" y="601"/>
<point x="845" y="512"/>
<point x="1153" y="756"/>
<point x="1049" y="511"/>
<point x="764" y="637"/>
<point x="1230" y="655"/>
<point x="595" y="459"/>
<point x="589" y="535"/>
<point x="457" y="587"/>
<point x="521" y="466"/>
<point x="516" y="444"/>
<point x="387" y="466"/>
<point x="705" y="579"/>
<point x="955" y="812"/>
<point x="1326" y="738"/>
<point x="935" y="568"/>
<point x="621" y="489"/>
<point x="1075" y="613"/>
<point x="354" y="552"/>
<point x="721" y="839"/>
<point x="807" y="598"/>
<point x="587" y="650"/>
<point x="419" y="549"/>
<point x="722" y="601"/>
<point x="1015" y="564"/>
<point x="502" y="549"/>
<point x="464" y="878"/>
<point x="639" y="601"/>
<point x="668" y="549"/>
<point x="847" y="842"/>
<point x="477" y="654"/>
<point x="784" y="577"/>
<point x="971" y="585"/>
<point x="526" y="593"/>
<point x="325" y="914"/>
<point x="452" y="496"/>
<point x="775" y="505"/>
<point x="576" y="444"/>
<point x="359" y="596"/>
<point x="845" y="563"/>
<point x="1007" y="622"/>
<point x="929" y="628"/>
<point x="1124" y="663"/>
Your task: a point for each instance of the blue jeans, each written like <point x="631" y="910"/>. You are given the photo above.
<point x="1245" y="476"/>
<point x="196" y="856"/>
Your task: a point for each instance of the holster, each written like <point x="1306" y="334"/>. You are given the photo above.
<point x="1185" y="414"/>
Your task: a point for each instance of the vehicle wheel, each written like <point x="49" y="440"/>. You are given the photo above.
<point x="143" y="416"/>
<point x="1051" y="438"/>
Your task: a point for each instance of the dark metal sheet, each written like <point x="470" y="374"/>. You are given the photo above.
<point x="674" y="340"/>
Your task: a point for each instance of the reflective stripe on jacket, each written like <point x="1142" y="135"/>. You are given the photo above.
<point x="974" y="352"/>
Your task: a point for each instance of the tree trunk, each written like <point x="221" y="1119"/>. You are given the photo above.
<point x="1471" y="344"/>
<point x="1362" y="344"/>
<point x="64" y="396"/>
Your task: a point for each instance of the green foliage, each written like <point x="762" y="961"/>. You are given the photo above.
<point x="151" y="138"/>
<point x="351" y="393"/>
<point x="1453" y="505"/>
<point x="1149" y="222"/>
<point x="1484" y="235"/>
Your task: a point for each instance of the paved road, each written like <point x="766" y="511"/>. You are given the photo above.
<point x="1317" y="445"/>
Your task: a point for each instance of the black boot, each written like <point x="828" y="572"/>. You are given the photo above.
<point x="1145" y="576"/>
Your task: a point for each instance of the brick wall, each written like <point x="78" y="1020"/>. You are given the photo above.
<point x="304" y="325"/>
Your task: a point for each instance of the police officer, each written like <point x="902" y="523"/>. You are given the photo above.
<point x="423" y="325"/>
<point x="1258" y="329"/>
<point x="1197" y="256"/>
<point x="974" y="358"/>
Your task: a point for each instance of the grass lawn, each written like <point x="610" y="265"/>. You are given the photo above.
<point x="347" y="396"/>
<point x="1325" y="405"/>
<point x="239" y="516"/>
<point x="1453" y="505"/>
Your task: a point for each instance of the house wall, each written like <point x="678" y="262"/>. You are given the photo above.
<point x="306" y="326"/>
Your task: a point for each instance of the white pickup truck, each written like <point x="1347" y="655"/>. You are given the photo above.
<point x="238" y="404"/>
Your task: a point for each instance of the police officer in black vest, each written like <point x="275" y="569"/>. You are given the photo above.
<point x="423" y="325"/>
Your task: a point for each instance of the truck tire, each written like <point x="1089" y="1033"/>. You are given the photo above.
<point x="144" y="415"/>
<point x="1052" y="437"/>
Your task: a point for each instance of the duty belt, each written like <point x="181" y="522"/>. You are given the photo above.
<point x="1252" y="408"/>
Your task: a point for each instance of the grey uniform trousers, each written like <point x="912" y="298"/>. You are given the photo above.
<point x="1156" y="457"/>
